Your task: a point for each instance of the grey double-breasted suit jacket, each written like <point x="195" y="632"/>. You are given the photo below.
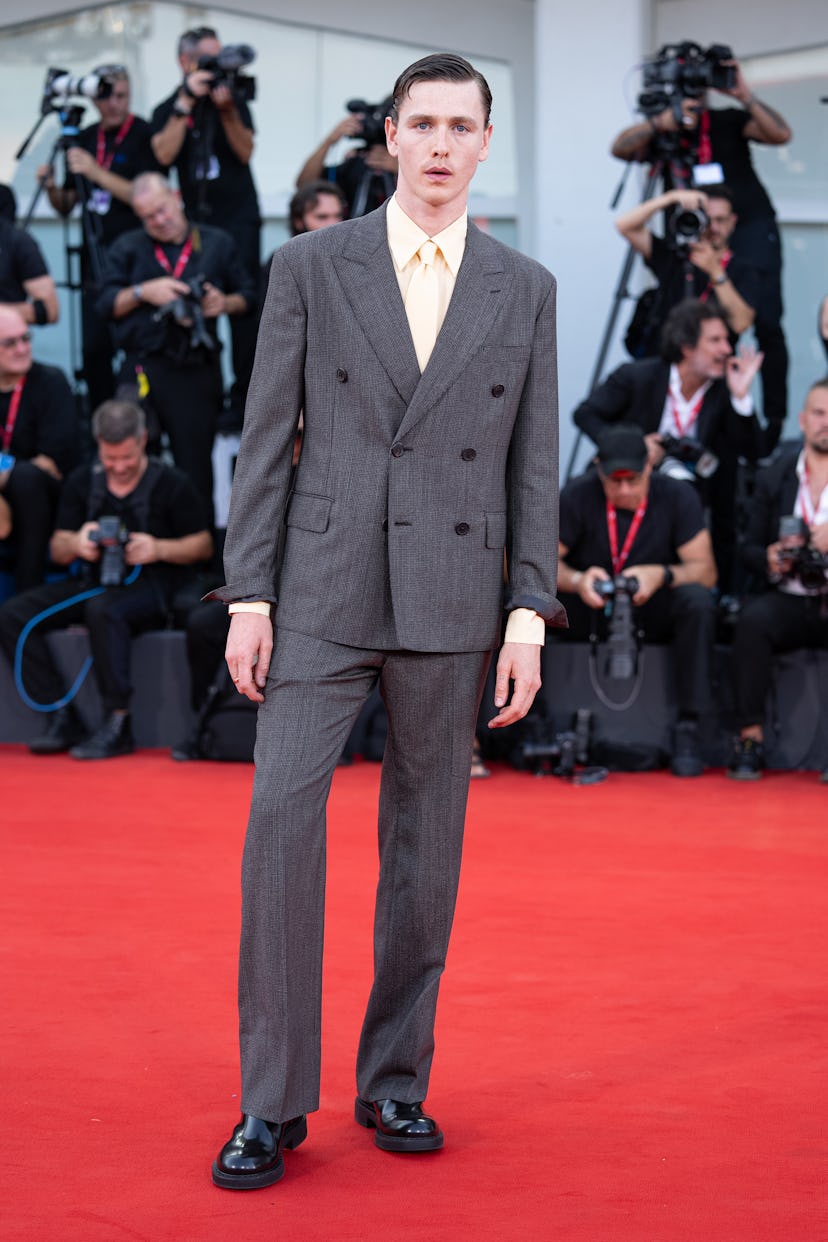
<point x="409" y="486"/>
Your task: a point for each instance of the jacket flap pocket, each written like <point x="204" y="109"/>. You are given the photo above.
<point x="495" y="530"/>
<point x="309" y="512"/>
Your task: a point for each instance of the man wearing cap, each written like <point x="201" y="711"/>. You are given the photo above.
<point x="624" y="519"/>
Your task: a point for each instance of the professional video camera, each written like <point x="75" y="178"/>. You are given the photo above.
<point x="60" y="84"/>
<point x="797" y="558"/>
<point x="111" y="537"/>
<point x="622" y="638"/>
<point x="225" y="70"/>
<point x="684" y="71"/>
<point x="689" y="455"/>
<point x="185" y="312"/>
<point x="372" y="131"/>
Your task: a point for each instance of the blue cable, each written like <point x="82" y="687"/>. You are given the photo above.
<point x="85" y="667"/>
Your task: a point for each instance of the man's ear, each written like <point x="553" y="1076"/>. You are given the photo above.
<point x="391" y="136"/>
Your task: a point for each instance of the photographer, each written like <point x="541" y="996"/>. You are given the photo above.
<point x="25" y="283"/>
<point x="158" y="512"/>
<point x="102" y="161"/>
<point x="702" y="146"/>
<point x="368" y="173"/>
<point x="165" y="286"/>
<point x="792" y="611"/>
<point x="38" y="444"/>
<point x="205" y="130"/>
<point x="695" y="400"/>
<point x="623" y="520"/>
<point x="694" y="260"/>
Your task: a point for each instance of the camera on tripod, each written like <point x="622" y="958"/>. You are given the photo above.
<point x="372" y="129"/>
<point x="687" y="226"/>
<point x="186" y="312"/>
<point x="684" y="71"/>
<point x="225" y="70"/>
<point x="111" y="537"/>
<point x="60" y="84"/>
<point x="797" y="558"/>
<point x="622" y="637"/>
<point x="691" y="456"/>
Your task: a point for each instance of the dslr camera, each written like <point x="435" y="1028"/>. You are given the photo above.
<point x="622" y="638"/>
<point x="225" y="70"/>
<point x="60" y="84"/>
<point x="797" y="559"/>
<point x="683" y="455"/>
<point x="372" y="130"/>
<point x="684" y="71"/>
<point x="686" y="227"/>
<point x="111" y="537"/>
<point x="186" y="312"/>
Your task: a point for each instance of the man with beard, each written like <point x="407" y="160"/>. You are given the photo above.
<point x="792" y="612"/>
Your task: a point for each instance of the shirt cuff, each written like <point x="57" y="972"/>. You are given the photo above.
<point x="260" y="605"/>
<point x="743" y="405"/>
<point x="525" y="626"/>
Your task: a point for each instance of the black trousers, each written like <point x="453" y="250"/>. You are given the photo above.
<point x="768" y="624"/>
<point x="32" y="495"/>
<point x="112" y="619"/>
<point x="684" y="618"/>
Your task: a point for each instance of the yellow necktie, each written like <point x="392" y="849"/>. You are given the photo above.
<point x="422" y="303"/>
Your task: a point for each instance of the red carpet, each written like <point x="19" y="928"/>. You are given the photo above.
<point x="632" y="1027"/>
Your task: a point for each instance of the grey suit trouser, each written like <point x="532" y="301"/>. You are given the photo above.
<point x="314" y="692"/>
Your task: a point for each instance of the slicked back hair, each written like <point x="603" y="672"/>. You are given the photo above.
<point x="439" y="67"/>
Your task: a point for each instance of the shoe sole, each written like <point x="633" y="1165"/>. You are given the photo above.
<point x="294" y="1135"/>
<point x="745" y="776"/>
<point x="364" y="1116"/>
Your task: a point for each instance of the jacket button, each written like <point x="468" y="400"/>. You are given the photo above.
<point x="385" y="523"/>
<point x="498" y="390"/>
<point x="462" y="528"/>
<point x="468" y="454"/>
<point x="341" y="375"/>
<point x="397" y="450"/>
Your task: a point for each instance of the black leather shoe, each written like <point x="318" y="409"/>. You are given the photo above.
<point x="398" y="1126"/>
<point x="253" y="1156"/>
<point x="112" y="739"/>
<point x="65" y="729"/>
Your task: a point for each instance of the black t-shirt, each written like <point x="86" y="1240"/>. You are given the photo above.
<point x="669" y="270"/>
<point x="20" y="260"/>
<point x="46" y="421"/>
<point x="132" y="260"/>
<point x="673" y="517"/>
<point x="108" y="215"/>
<point x="217" y="187"/>
<point x="174" y="510"/>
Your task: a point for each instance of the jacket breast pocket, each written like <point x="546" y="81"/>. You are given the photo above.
<point x="495" y="530"/>
<point x="309" y="512"/>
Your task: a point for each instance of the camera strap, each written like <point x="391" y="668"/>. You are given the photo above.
<point x="101" y="156"/>
<point x="181" y="261"/>
<point x="619" y="559"/>
<point x="138" y="500"/>
<point x="11" y="417"/>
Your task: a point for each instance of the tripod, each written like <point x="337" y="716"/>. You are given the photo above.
<point x="360" y="204"/>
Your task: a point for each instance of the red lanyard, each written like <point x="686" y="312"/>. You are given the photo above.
<point x="705" y="145"/>
<point x="181" y="261"/>
<point x="101" y="157"/>
<point x="691" y="418"/>
<point x="803" y="501"/>
<point x="11" y="417"/>
<point x="619" y="560"/>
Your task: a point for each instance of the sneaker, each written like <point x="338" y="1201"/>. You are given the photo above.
<point x="65" y="729"/>
<point x="686" y="759"/>
<point x="112" y="739"/>
<point x="747" y="760"/>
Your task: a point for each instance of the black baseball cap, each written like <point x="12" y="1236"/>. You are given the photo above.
<point x="622" y="448"/>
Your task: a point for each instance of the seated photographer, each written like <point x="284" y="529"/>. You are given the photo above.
<point x="165" y="286"/>
<point x="25" y="282"/>
<point x="368" y="174"/>
<point x="786" y="546"/>
<point x="317" y="205"/>
<point x="38" y="444"/>
<point x="624" y="527"/>
<point x="695" y="409"/>
<point x="135" y="528"/>
<point x="693" y="260"/>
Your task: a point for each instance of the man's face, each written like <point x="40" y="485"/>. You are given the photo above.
<point x="124" y="462"/>
<point x="15" y="345"/>
<point x="327" y="210"/>
<point x="625" y="489"/>
<point x="439" y="139"/>
<point x="161" y="214"/>
<point x="708" y="358"/>
<point x="722" y="222"/>
<point x="813" y="420"/>
<point x="114" y="109"/>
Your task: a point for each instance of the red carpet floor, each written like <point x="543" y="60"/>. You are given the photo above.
<point x="632" y="1033"/>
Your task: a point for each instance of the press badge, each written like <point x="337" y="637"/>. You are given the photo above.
<point x="213" y="170"/>
<point x="707" y="174"/>
<point x="100" y="201"/>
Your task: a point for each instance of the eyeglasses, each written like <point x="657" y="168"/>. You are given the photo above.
<point x="9" y="342"/>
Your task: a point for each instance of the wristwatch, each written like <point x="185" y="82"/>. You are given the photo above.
<point x="179" y="111"/>
<point x="136" y="293"/>
<point x="668" y="576"/>
<point x="721" y="279"/>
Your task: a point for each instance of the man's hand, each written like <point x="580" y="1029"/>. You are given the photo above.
<point x="47" y="464"/>
<point x="586" y="586"/>
<point x="650" y="579"/>
<point x="141" y="549"/>
<point x="248" y="651"/>
<point x="214" y="302"/>
<point x="706" y="258"/>
<point x="82" y="162"/>
<point x="655" y="449"/>
<point x="819" y="537"/>
<point x="742" y="370"/>
<point x="380" y="159"/>
<point x="520" y="663"/>
<point x="162" y="289"/>
<point x="199" y="83"/>
<point x="87" y="550"/>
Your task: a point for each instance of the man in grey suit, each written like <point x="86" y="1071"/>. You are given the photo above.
<point x="430" y="449"/>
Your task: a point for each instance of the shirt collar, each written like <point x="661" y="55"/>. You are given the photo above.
<point x="676" y="393"/>
<point x="405" y="238"/>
